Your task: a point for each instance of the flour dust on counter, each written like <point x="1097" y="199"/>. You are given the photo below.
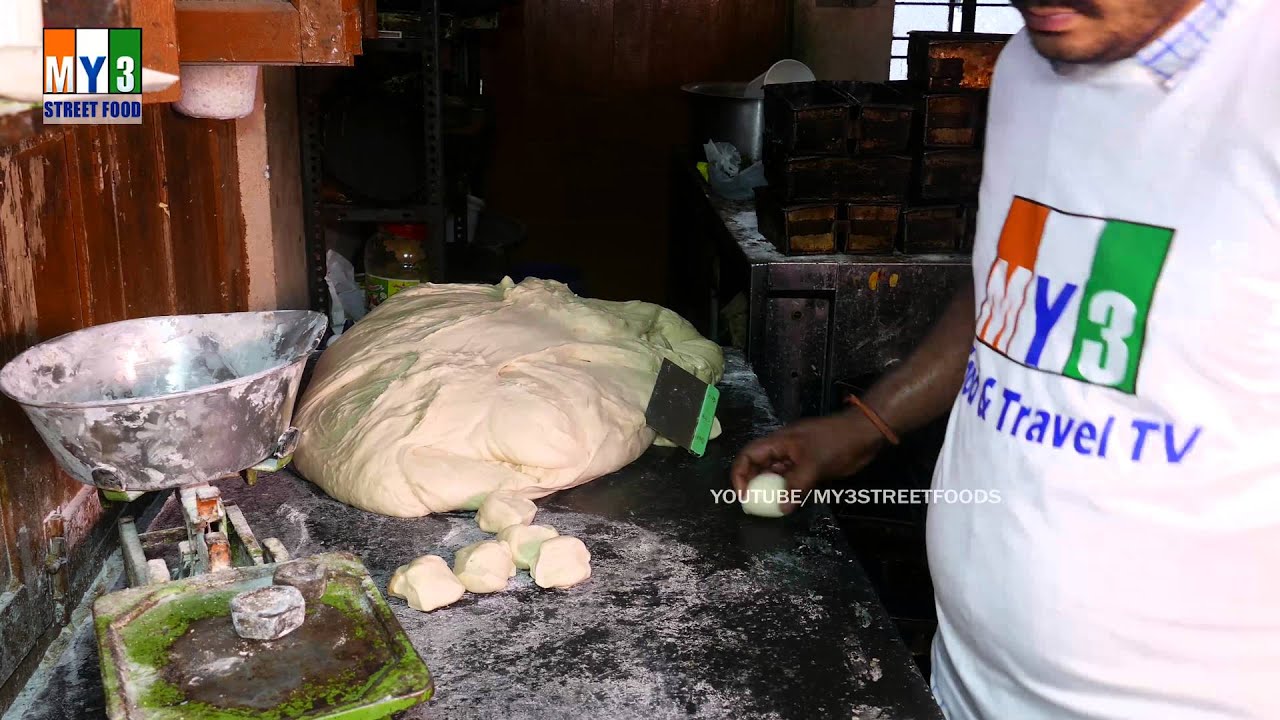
<point x="694" y="610"/>
<point x="740" y="380"/>
<point x="646" y="583"/>
<point x="744" y="224"/>
<point x="447" y="393"/>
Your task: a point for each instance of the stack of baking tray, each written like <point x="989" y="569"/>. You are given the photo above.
<point x="949" y="77"/>
<point x="865" y="168"/>
<point x="836" y="158"/>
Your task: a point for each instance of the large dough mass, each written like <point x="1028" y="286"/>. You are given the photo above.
<point x="446" y="393"/>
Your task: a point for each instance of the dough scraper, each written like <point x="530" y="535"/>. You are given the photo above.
<point x="682" y="408"/>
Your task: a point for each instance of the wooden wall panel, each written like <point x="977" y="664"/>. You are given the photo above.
<point x="51" y="243"/>
<point x="208" y="228"/>
<point x="134" y="154"/>
<point x="89" y="234"/>
<point x="39" y="297"/>
<point x="93" y="210"/>
<point x="589" y="110"/>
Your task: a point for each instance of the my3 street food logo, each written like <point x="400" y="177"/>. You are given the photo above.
<point x="1069" y="294"/>
<point x="92" y="76"/>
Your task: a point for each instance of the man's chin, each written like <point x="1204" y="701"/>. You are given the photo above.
<point x="1079" y="49"/>
<point x="1061" y="48"/>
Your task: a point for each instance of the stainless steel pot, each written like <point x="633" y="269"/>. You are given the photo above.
<point x="720" y="112"/>
<point x="162" y="402"/>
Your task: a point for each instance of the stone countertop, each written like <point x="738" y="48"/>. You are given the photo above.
<point x="693" y="609"/>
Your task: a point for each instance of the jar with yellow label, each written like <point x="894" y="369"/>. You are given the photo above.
<point x="394" y="259"/>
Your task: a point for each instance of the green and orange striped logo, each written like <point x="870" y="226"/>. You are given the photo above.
<point x="105" y="61"/>
<point x="1069" y="294"/>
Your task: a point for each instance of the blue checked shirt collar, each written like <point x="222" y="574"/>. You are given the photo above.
<point x="1170" y="56"/>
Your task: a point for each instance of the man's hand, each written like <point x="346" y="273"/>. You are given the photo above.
<point x="810" y="451"/>
<point x="919" y="389"/>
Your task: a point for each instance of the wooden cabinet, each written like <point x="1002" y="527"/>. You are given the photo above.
<point x="251" y="32"/>
<point x="280" y="32"/>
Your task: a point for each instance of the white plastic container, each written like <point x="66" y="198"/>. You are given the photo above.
<point x="220" y="92"/>
<point x="783" y="71"/>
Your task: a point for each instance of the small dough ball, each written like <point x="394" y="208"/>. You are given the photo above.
<point x="484" y="567"/>
<point x="763" y="496"/>
<point x="524" y="540"/>
<point x="426" y="584"/>
<point x="502" y="510"/>
<point x="561" y="562"/>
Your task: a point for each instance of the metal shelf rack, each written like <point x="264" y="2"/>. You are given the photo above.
<point x="317" y="212"/>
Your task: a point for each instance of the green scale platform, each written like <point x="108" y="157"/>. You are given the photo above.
<point x="169" y="652"/>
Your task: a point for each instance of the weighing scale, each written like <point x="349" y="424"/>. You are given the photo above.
<point x="174" y="404"/>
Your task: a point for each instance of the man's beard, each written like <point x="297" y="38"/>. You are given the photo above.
<point x="1088" y="8"/>
<point x="1058" y="48"/>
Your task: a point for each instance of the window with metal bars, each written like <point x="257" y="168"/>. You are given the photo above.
<point x="993" y="16"/>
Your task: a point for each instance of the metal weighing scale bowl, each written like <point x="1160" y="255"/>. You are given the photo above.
<point x="162" y="402"/>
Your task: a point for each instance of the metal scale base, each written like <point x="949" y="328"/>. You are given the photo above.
<point x="213" y="537"/>
<point x="169" y="651"/>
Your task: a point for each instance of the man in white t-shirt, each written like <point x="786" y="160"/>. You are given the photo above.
<point x="1113" y="378"/>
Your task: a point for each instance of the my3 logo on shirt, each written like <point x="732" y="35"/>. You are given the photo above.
<point x="1069" y="294"/>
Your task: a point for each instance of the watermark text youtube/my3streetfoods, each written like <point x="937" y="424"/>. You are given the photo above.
<point x="859" y="496"/>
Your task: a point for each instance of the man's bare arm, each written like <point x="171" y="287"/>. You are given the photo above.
<point x="915" y="392"/>
<point x="923" y="387"/>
